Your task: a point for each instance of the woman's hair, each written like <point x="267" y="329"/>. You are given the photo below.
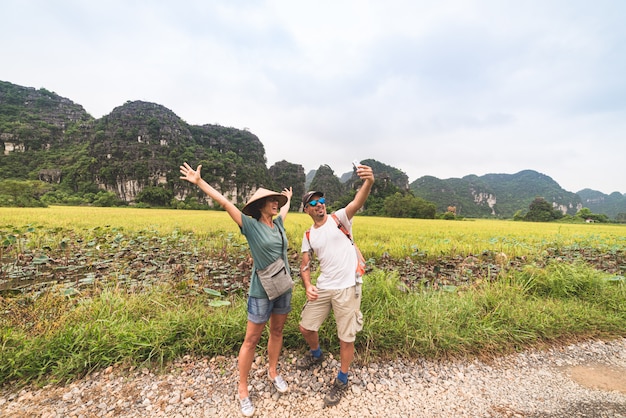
<point x="255" y="208"/>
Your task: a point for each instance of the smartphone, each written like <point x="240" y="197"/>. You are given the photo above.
<point x="355" y="164"/>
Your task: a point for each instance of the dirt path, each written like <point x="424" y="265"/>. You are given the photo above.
<point x="587" y="379"/>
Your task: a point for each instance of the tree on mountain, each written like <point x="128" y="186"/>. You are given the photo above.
<point x="326" y="181"/>
<point x="542" y="211"/>
<point x="408" y="206"/>
<point x="285" y="174"/>
<point x="155" y="196"/>
<point x="586" y="215"/>
<point x="383" y="188"/>
<point x="22" y="193"/>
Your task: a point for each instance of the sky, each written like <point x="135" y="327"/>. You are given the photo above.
<point x="440" y="88"/>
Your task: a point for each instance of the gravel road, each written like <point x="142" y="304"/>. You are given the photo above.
<point x="587" y="379"/>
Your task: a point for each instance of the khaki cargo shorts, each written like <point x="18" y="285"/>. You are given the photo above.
<point x="346" y="307"/>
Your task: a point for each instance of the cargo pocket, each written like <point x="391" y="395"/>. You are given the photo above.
<point x="358" y="321"/>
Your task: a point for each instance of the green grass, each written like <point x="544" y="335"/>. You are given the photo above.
<point x="533" y="307"/>
<point x="48" y="334"/>
<point x="117" y="328"/>
<point x="525" y="309"/>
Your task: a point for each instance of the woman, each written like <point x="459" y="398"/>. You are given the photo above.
<point x="267" y="241"/>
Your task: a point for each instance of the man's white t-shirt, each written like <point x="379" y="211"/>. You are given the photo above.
<point x="335" y="252"/>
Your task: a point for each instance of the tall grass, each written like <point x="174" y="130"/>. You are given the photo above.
<point x="527" y="308"/>
<point x="117" y="328"/>
<point x="535" y="306"/>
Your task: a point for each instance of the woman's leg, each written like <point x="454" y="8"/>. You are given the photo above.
<point x="275" y="343"/>
<point x="246" y="355"/>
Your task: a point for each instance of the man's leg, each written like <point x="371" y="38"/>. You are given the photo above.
<point x="313" y="315"/>
<point x="349" y="319"/>
<point x="346" y="355"/>
<point x="311" y="337"/>
<point x="340" y="384"/>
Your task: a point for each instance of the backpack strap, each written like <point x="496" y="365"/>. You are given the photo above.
<point x="308" y="238"/>
<point x="342" y="227"/>
<point x="360" y="268"/>
<point x="307" y="233"/>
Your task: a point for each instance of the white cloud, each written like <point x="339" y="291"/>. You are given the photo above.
<point x="434" y="88"/>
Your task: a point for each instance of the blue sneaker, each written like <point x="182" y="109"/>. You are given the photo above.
<point x="308" y="361"/>
<point x="336" y="393"/>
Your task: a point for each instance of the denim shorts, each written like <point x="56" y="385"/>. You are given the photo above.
<point x="260" y="309"/>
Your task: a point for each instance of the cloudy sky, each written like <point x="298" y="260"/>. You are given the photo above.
<point x="440" y="88"/>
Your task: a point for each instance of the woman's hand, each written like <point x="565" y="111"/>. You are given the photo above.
<point x="189" y="174"/>
<point x="285" y="209"/>
<point x="287" y="192"/>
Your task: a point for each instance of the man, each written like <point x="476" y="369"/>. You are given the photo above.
<point x="337" y="286"/>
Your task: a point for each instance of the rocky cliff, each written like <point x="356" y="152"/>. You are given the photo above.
<point x="139" y="144"/>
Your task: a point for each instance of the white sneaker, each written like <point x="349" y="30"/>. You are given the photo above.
<point x="247" y="409"/>
<point x="279" y="383"/>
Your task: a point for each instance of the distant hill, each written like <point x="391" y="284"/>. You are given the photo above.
<point x="494" y="195"/>
<point x="140" y="145"/>
<point x="502" y="195"/>
<point x="610" y="205"/>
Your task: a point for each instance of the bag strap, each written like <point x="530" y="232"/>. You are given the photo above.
<point x="342" y="227"/>
<point x="282" y="239"/>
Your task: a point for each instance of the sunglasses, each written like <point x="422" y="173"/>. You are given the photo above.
<point x="321" y="201"/>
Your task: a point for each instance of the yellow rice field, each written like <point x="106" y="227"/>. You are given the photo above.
<point x="376" y="236"/>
